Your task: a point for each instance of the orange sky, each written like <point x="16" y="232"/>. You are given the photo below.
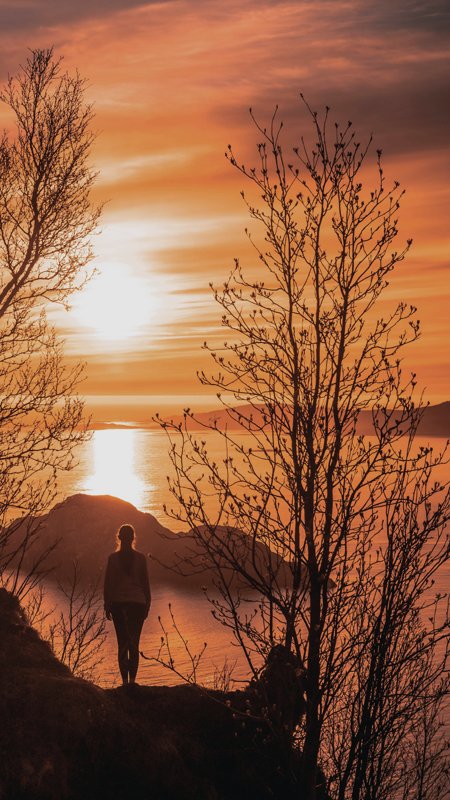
<point x="171" y="83"/>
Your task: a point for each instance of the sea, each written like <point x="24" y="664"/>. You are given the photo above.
<point x="134" y="464"/>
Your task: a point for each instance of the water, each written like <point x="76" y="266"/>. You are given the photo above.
<point x="193" y="618"/>
<point x="133" y="464"/>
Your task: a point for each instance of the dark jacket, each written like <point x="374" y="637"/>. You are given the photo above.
<point x="126" y="585"/>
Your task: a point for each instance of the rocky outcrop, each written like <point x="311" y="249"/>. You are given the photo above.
<point x="83" y="528"/>
<point x="62" y="738"/>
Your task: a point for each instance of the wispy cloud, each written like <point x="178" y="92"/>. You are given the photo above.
<point x="172" y="82"/>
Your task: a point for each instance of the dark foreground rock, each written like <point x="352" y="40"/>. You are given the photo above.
<point x="62" y="738"/>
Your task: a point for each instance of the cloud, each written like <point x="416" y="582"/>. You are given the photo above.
<point x="172" y="82"/>
<point x="423" y="16"/>
<point x="26" y="15"/>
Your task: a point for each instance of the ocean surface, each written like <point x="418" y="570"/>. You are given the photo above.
<point x="133" y="464"/>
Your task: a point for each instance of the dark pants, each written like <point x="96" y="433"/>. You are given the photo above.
<point x="128" y="619"/>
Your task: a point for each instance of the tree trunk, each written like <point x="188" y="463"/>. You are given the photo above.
<point x="313" y="725"/>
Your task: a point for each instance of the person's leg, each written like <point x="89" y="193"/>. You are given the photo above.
<point x="136" y="615"/>
<point x="121" y="626"/>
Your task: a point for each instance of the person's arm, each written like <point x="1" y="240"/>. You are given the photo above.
<point x="145" y="583"/>
<point x="107" y="589"/>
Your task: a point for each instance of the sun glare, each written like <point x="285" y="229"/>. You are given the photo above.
<point x="116" y="304"/>
<point x="114" y="465"/>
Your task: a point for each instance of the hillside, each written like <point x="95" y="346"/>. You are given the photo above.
<point x="63" y="738"/>
<point x="435" y="420"/>
<point x="84" y="527"/>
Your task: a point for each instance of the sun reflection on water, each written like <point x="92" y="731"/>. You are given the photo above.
<point x="114" y="459"/>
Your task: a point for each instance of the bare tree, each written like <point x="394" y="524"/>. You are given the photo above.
<point x="46" y="220"/>
<point x="78" y="632"/>
<point x="351" y="518"/>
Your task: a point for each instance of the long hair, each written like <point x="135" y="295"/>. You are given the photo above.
<point x="126" y="537"/>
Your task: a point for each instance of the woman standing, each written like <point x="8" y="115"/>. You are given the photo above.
<point x="127" y="600"/>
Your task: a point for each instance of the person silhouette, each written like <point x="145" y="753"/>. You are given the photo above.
<point x="127" y="599"/>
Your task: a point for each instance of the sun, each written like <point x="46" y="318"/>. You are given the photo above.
<point x="116" y="304"/>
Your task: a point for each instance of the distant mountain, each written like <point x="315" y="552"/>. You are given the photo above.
<point x="85" y="527"/>
<point x="435" y="420"/>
